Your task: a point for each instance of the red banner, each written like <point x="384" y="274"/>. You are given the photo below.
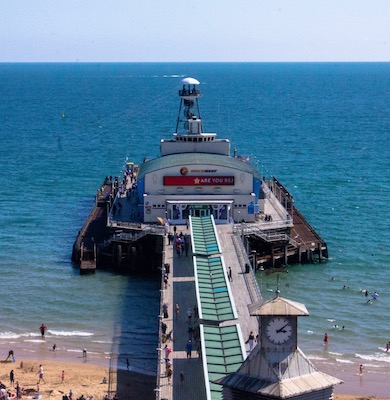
<point x="198" y="180"/>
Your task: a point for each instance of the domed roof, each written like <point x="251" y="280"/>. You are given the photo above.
<point x="190" y="81"/>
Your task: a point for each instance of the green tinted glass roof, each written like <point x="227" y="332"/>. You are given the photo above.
<point x="204" y="238"/>
<point x="223" y="354"/>
<point x="215" y="302"/>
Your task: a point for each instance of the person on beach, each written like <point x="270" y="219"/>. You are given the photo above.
<point x="12" y="377"/>
<point x="387" y="346"/>
<point x="54" y="347"/>
<point x="40" y="373"/>
<point x="84" y="353"/>
<point x="10" y="354"/>
<point x="19" y="391"/>
<point x="62" y="376"/>
<point x="42" y="329"/>
<point x="361" y="369"/>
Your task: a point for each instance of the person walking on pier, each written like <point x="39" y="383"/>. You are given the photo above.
<point x="169" y="374"/>
<point x="189" y="349"/>
<point x="230" y="275"/>
<point x="189" y="315"/>
<point x="251" y="340"/>
<point x="167" y="351"/>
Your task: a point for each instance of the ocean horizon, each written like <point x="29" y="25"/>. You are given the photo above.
<point x="320" y="128"/>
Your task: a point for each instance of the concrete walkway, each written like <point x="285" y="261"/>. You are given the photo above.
<point x="181" y="291"/>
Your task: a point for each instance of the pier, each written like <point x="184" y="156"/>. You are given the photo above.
<point x="216" y="321"/>
<point x="194" y="176"/>
<point x="275" y="239"/>
<point x="94" y="230"/>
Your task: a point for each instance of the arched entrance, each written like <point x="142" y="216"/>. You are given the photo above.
<point x="178" y="212"/>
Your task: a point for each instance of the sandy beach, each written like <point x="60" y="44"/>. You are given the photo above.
<point x="80" y="378"/>
<point x="84" y="378"/>
<point x="373" y="383"/>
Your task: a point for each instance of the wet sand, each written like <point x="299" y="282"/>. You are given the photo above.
<point x="373" y="383"/>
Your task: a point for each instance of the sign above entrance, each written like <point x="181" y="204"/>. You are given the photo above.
<point x="198" y="180"/>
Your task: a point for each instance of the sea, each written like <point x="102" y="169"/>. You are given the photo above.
<point x="321" y="128"/>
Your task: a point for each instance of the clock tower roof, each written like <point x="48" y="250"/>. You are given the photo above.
<point x="278" y="306"/>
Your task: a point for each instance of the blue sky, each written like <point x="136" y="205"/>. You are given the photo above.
<point x="201" y="30"/>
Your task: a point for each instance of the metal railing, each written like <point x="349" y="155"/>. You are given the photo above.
<point x="250" y="277"/>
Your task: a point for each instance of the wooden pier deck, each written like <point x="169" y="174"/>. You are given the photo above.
<point x="181" y="290"/>
<point x="94" y="231"/>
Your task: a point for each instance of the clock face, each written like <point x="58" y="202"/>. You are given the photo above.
<point x="279" y="330"/>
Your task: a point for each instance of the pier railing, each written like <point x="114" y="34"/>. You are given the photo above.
<point x="134" y="236"/>
<point x="276" y="204"/>
<point x="260" y="228"/>
<point x="247" y="229"/>
<point x="250" y="277"/>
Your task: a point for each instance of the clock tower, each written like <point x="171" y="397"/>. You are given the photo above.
<point x="276" y="368"/>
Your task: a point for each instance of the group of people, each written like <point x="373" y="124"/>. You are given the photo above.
<point x="180" y="241"/>
<point x="6" y="394"/>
